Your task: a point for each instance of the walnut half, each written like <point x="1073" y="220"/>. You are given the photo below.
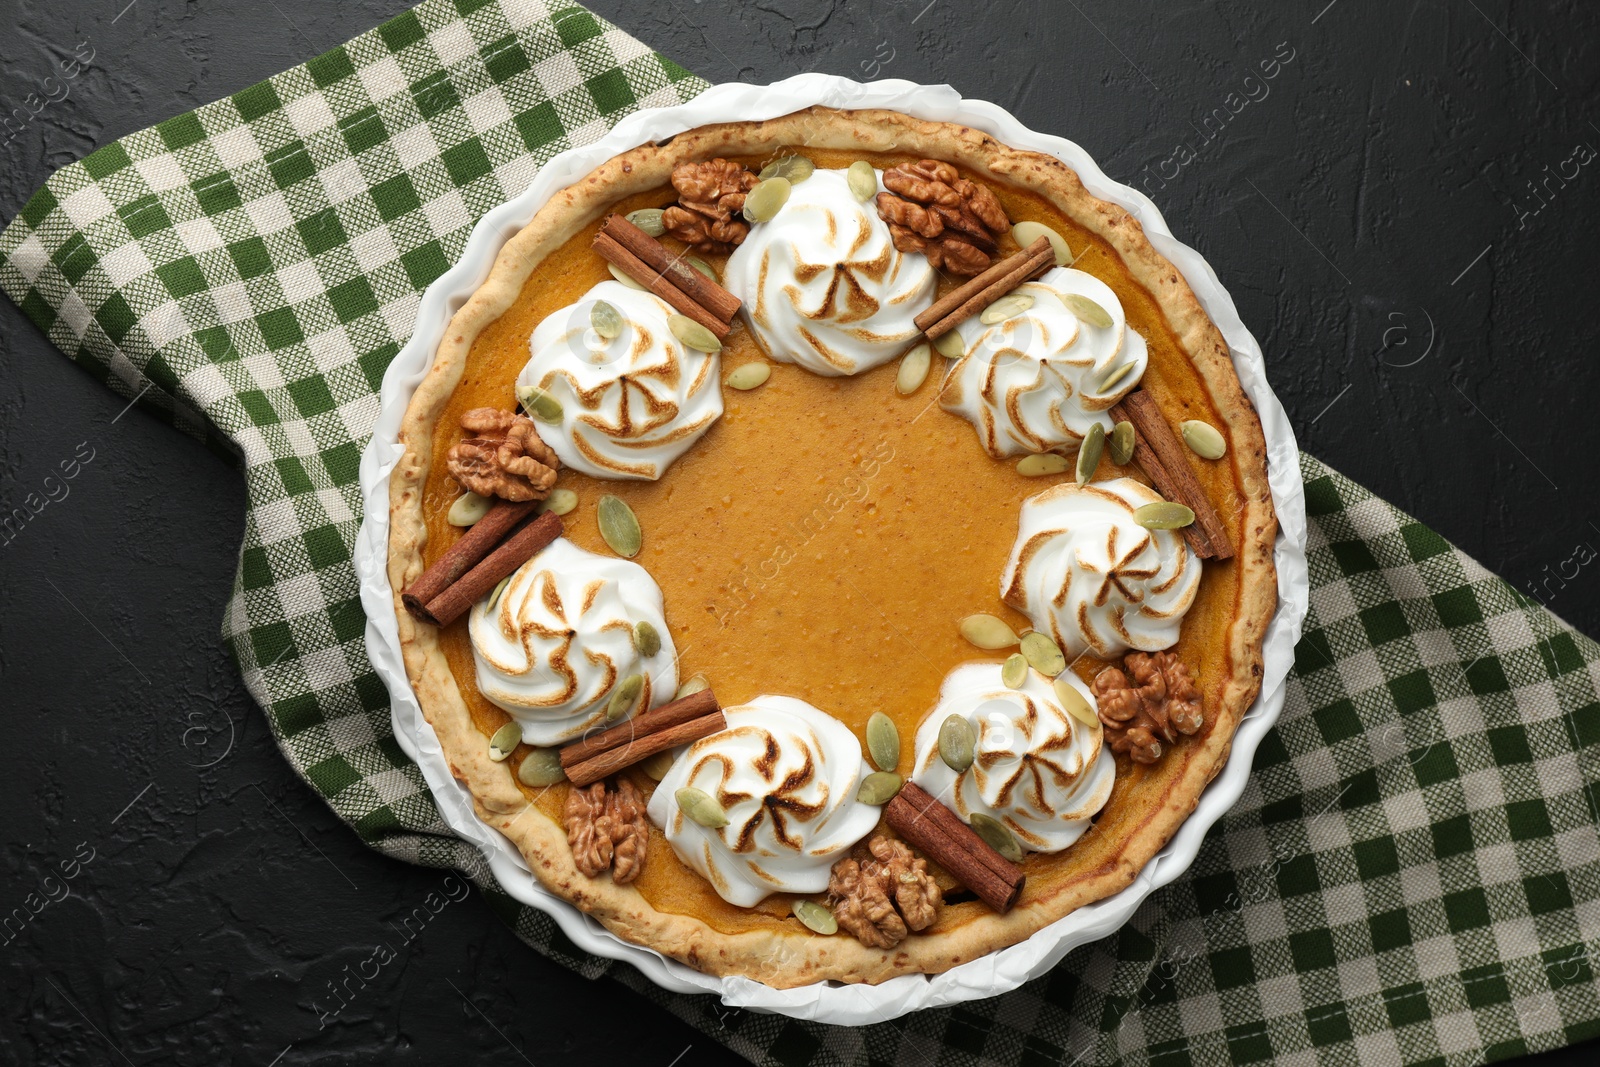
<point x="504" y="458"/>
<point x="1154" y="702"/>
<point x="861" y="904"/>
<point x="710" y="198"/>
<point x="881" y="899"/>
<point x="916" y="894"/>
<point x="607" y="830"/>
<point x="630" y="833"/>
<point x="931" y="209"/>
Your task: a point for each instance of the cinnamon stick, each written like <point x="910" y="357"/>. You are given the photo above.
<point x="518" y="549"/>
<point x="1171" y="471"/>
<point x="702" y="290"/>
<point x="674" y="713"/>
<point x="940" y="834"/>
<point x="590" y="771"/>
<point x="462" y="556"/>
<point x="961" y="303"/>
<point x="657" y="283"/>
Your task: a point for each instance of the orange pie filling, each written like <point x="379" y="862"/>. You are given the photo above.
<point x="824" y="538"/>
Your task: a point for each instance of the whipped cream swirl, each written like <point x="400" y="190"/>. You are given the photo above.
<point x="1028" y="383"/>
<point x="787" y="775"/>
<point x="630" y="405"/>
<point x="559" y="638"/>
<point x="823" y="284"/>
<point x="1035" y="768"/>
<point x="1092" y="578"/>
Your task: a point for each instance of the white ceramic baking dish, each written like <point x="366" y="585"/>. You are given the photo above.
<point x="998" y="972"/>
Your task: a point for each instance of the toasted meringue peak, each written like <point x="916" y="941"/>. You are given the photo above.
<point x="786" y="774"/>
<point x="560" y="636"/>
<point x="630" y="405"/>
<point x="1030" y="383"/>
<point x="1038" y="770"/>
<point x="823" y="285"/>
<point x="1092" y="578"/>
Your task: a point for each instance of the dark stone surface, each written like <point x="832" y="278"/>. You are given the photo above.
<point x="1346" y="208"/>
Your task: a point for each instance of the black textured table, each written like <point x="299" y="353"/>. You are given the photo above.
<point x="1401" y="199"/>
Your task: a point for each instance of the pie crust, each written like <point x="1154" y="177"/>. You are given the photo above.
<point x="786" y="954"/>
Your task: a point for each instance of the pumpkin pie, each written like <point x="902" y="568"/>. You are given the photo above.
<point x="833" y="547"/>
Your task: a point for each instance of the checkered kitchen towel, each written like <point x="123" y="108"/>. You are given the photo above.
<point x="1410" y="878"/>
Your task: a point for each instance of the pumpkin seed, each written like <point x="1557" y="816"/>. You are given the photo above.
<point x="1015" y="671"/>
<point x="494" y="595"/>
<point x="657" y="766"/>
<point x="1203" y="439"/>
<point x="997" y="836"/>
<point x="1087" y="310"/>
<point x="879" y="788"/>
<point x="883" y="741"/>
<point x="913" y="370"/>
<point x="1089" y="453"/>
<point x="505" y="741"/>
<point x="1025" y="233"/>
<point x="749" y="376"/>
<point x="1008" y="306"/>
<point x="648" y="219"/>
<point x="541" y="767"/>
<point x="622" y="276"/>
<point x="692" y="334"/>
<point x="701" y="807"/>
<point x="816" y="917"/>
<point x="468" y="509"/>
<point x="766" y="199"/>
<point x="1113" y="376"/>
<point x="647" y="639"/>
<point x="1040" y="464"/>
<point x="560" y="501"/>
<point x="795" y="168"/>
<point x="956" y="743"/>
<point x="619" y="526"/>
<point x="986" y="631"/>
<point x="606" y="320"/>
<point x="697" y="684"/>
<point x="951" y="345"/>
<point x="1043" y="654"/>
<point x="1122" y="442"/>
<point x="539" y="404"/>
<point x="1163" y="515"/>
<point x="623" y="696"/>
<point x="862" y="180"/>
<point x="1074" y="704"/>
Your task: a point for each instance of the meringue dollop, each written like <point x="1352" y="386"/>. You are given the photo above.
<point x="629" y="405"/>
<point x="824" y="286"/>
<point x="1029" y="383"/>
<point x="553" y="646"/>
<point x="786" y="774"/>
<point x="1092" y="578"/>
<point x="1038" y="770"/>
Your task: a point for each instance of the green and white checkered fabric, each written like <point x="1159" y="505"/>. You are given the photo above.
<point x="1413" y="876"/>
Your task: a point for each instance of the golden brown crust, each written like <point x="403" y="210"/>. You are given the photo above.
<point x="792" y="958"/>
